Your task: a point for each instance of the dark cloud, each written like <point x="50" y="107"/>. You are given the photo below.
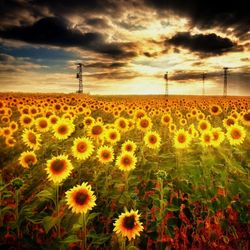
<point x="208" y="43"/>
<point x="97" y="22"/>
<point x="206" y="14"/>
<point x="105" y="65"/>
<point x="57" y="31"/>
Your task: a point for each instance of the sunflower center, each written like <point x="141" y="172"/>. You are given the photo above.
<point x="246" y="117"/>
<point x="58" y="166"/>
<point x="126" y="161"/>
<point x="215" y="109"/>
<point x="203" y="126"/>
<point x="166" y="119"/>
<point x="129" y="222"/>
<point x="81" y="147"/>
<point x="181" y="138"/>
<point x="207" y="138"/>
<point x="29" y="159"/>
<point x="81" y="197"/>
<point x="58" y="107"/>
<point x="97" y="130"/>
<point x="140" y="115"/>
<point x="53" y="120"/>
<point x="129" y="148"/>
<point x="230" y="122"/>
<point x="43" y="124"/>
<point x="6" y="131"/>
<point x="216" y="136"/>
<point x="113" y="136"/>
<point x="152" y="139"/>
<point x="62" y="129"/>
<point x="88" y="122"/>
<point x="106" y="154"/>
<point x="236" y="134"/>
<point x="144" y="123"/>
<point x="27" y="120"/>
<point x="122" y="124"/>
<point x="32" y="138"/>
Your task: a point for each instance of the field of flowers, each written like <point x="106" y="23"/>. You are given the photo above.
<point x="149" y="172"/>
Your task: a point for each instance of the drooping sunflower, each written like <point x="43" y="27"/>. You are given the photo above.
<point x="31" y="139"/>
<point x="42" y="124"/>
<point x="26" y="121"/>
<point x="58" y="168"/>
<point x="80" y="198"/>
<point x="112" y="135"/>
<point x="144" y="124"/>
<point x="105" y="154"/>
<point x="27" y="158"/>
<point x="63" y="129"/>
<point x="82" y="148"/>
<point x="181" y="139"/>
<point x="10" y="141"/>
<point x="236" y="134"/>
<point x="128" y="146"/>
<point x="126" y="161"/>
<point x="152" y="140"/>
<point x="218" y="136"/>
<point x="96" y="131"/>
<point x="128" y="224"/>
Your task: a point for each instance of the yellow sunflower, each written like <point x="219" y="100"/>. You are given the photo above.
<point x="13" y="126"/>
<point x="166" y="119"/>
<point x="182" y="139"/>
<point x="218" y="137"/>
<point x="245" y="118"/>
<point x="152" y="140"/>
<point x="204" y="125"/>
<point x="215" y="110"/>
<point x="229" y="121"/>
<point x="88" y="120"/>
<point x="42" y="124"/>
<point x="80" y="198"/>
<point x="105" y="154"/>
<point x="63" y="129"/>
<point x="206" y="138"/>
<point x="144" y="124"/>
<point x="26" y="120"/>
<point x="112" y="135"/>
<point x="128" y="224"/>
<point x="58" y="168"/>
<point x="96" y="131"/>
<point x="10" y="141"/>
<point x="236" y="134"/>
<point x="7" y="132"/>
<point x="121" y="124"/>
<point x="126" y="161"/>
<point x="31" y="139"/>
<point x="53" y="120"/>
<point x="27" y="159"/>
<point x="82" y="148"/>
<point x="129" y="146"/>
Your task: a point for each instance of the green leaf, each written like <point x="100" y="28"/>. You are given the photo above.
<point x="173" y="209"/>
<point x="47" y="194"/>
<point x="132" y="248"/>
<point x="70" y="239"/>
<point x="92" y="216"/>
<point x="98" y="239"/>
<point x="49" y="222"/>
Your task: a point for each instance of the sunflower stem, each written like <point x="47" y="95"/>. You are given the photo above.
<point x="17" y="214"/>
<point x="57" y="208"/>
<point x="84" y="238"/>
<point x="124" y="244"/>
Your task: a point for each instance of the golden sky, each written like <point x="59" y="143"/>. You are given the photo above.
<point x="126" y="46"/>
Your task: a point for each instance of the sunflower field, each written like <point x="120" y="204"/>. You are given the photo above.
<point x="125" y="172"/>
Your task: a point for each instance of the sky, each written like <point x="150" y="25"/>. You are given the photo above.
<point x="126" y="46"/>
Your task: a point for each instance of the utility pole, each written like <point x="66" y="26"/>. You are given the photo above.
<point x="203" y="82"/>
<point x="225" y="81"/>
<point x="79" y="76"/>
<point x="166" y="86"/>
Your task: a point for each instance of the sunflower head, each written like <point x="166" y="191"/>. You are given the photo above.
<point x="128" y="224"/>
<point x="80" y="198"/>
<point x="82" y="148"/>
<point x="63" y="129"/>
<point x="126" y="161"/>
<point x="27" y="159"/>
<point x="152" y="140"/>
<point x="144" y="124"/>
<point x="105" y="154"/>
<point x="112" y="135"/>
<point x="236" y="134"/>
<point x="31" y="139"/>
<point x="182" y="139"/>
<point x="129" y="146"/>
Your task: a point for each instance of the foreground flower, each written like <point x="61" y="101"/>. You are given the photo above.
<point x="218" y="136"/>
<point x="128" y="146"/>
<point x="63" y="129"/>
<point x="126" y="161"/>
<point x="31" y="139"/>
<point x="128" y="224"/>
<point x="236" y="134"/>
<point x="182" y="139"/>
<point x="82" y="148"/>
<point x="152" y="140"/>
<point x="27" y="158"/>
<point x="105" y="154"/>
<point x="80" y="198"/>
<point x="58" y="168"/>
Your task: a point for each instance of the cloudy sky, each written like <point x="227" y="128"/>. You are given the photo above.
<point x="126" y="46"/>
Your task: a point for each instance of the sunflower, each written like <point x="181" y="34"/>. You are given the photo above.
<point x="172" y="128"/>
<point x="206" y="138"/>
<point x="42" y="124"/>
<point x="152" y="140"/>
<point x="128" y="224"/>
<point x="27" y="158"/>
<point x="229" y="121"/>
<point x="80" y="198"/>
<point x="129" y="146"/>
<point x="82" y="148"/>
<point x="121" y="124"/>
<point x="166" y="119"/>
<point x="31" y="139"/>
<point x="218" y="136"/>
<point x="53" y="120"/>
<point x="245" y="118"/>
<point x="5" y="119"/>
<point x="112" y="135"/>
<point x="192" y="131"/>
<point x="13" y="126"/>
<point x="63" y="129"/>
<point x="10" y="141"/>
<point x="58" y="168"/>
<point x="215" y="110"/>
<point x="26" y="120"/>
<point x="88" y="120"/>
<point x="236" y="134"/>
<point x="181" y="139"/>
<point x="105" y="154"/>
<point x="96" y="131"/>
<point x="144" y="124"/>
<point x="7" y="132"/>
<point x="126" y="161"/>
<point x="203" y="125"/>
